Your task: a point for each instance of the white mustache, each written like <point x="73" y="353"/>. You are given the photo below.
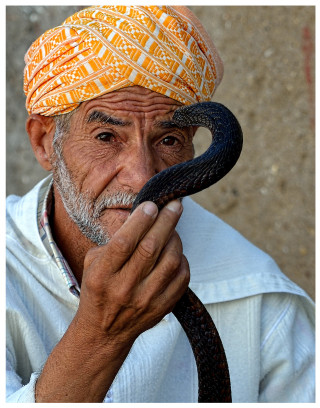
<point x="119" y="198"/>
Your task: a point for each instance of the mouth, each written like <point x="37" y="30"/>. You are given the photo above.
<point x="120" y="208"/>
<point x="123" y="210"/>
<point x="119" y="211"/>
<point x="114" y="214"/>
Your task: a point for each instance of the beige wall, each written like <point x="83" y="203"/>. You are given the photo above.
<point x="268" y="83"/>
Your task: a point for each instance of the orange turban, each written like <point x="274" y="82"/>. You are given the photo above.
<point x="102" y="49"/>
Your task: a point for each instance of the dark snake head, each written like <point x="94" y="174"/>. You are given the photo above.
<point x="195" y="175"/>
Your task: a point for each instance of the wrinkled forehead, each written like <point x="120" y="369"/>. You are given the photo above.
<point x="130" y="109"/>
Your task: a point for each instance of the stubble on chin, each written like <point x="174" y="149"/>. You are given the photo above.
<point x="85" y="211"/>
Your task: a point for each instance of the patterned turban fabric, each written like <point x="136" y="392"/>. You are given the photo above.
<point x="105" y="48"/>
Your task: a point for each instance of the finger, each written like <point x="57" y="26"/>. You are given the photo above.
<point x="123" y="243"/>
<point x="150" y="247"/>
<point x="177" y="286"/>
<point x="168" y="293"/>
<point x="166" y="265"/>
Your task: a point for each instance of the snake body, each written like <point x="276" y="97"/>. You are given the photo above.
<point x="188" y="178"/>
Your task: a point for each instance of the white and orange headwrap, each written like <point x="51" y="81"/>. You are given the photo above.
<point x="102" y="49"/>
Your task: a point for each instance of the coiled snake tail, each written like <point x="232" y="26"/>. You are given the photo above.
<point x="188" y="178"/>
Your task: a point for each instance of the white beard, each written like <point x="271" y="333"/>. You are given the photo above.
<point x="84" y="211"/>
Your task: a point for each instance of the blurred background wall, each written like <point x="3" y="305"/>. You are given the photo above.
<point x="268" y="83"/>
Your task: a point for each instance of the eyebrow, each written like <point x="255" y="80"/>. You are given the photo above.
<point x="166" y="124"/>
<point x="103" y="118"/>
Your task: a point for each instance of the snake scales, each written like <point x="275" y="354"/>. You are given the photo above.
<point x="188" y="178"/>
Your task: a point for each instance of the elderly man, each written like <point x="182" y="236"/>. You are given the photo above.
<point x="90" y="288"/>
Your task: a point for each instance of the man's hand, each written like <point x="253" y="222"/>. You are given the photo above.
<point x="128" y="286"/>
<point x="131" y="283"/>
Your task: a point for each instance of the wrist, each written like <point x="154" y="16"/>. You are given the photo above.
<point x="83" y="356"/>
<point x="92" y="337"/>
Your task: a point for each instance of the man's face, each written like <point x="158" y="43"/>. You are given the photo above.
<point x="115" y="144"/>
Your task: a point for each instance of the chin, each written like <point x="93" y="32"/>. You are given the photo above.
<point x="114" y="219"/>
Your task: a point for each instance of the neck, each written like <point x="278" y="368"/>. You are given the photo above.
<point x="71" y="242"/>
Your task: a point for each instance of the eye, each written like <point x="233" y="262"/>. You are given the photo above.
<point x="169" y="141"/>
<point x="106" y="137"/>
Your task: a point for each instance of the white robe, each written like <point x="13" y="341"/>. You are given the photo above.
<point x="265" y="321"/>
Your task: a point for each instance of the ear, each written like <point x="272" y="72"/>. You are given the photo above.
<point x="41" y="131"/>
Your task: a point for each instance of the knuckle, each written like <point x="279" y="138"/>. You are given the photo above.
<point x="172" y="262"/>
<point x="93" y="284"/>
<point x="143" y="303"/>
<point x="122" y="296"/>
<point x="91" y="256"/>
<point x="147" y="247"/>
<point x="184" y="272"/>
<point x="176" y="241"/>
<point x="121" y="244"/>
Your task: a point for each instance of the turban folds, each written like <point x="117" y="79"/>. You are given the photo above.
<point x="105" y="48"/>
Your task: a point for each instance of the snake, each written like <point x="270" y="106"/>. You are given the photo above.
<point x="178" y="181"/>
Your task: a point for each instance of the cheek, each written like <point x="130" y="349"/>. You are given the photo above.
<point x="170" y="156"/>
<point x="92" y="168"/>
<point x="100" y="174"/>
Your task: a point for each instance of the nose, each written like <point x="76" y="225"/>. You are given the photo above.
<point x="137" y="166"/>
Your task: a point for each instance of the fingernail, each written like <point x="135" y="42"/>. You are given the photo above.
<point x="175" y="206"/>
<point x="150" y="208"/>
